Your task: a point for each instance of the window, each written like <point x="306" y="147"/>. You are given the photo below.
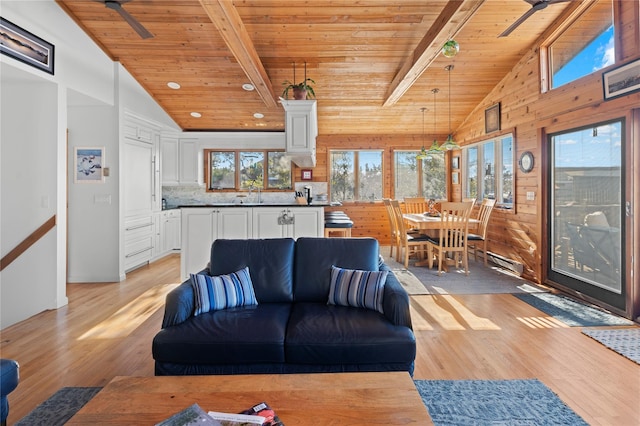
<point x="585" y="47"/>
<point x="356" y="175"/>
<point x="489" y="167"/>
<point x="419" y="178"/>
<point x="245" y="170"/>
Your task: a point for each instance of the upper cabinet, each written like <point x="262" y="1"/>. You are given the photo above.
<point x="180" y="165"/>
<point x="301" y="130"/>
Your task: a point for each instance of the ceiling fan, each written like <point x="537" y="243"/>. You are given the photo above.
<point x="536" y="5"/>
<point x="137" y="26"/>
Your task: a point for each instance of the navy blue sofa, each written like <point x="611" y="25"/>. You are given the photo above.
<point x="292" y="329"/>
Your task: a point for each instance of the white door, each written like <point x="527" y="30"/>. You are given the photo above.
<point x="308" y="222"/>
<point x="138" y="175"/>
<point x="233" y="223"/>
<point x="197" y="237"/>
<point x="265" y="222"/>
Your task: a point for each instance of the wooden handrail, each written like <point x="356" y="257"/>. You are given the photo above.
<point x="27" y="242"/>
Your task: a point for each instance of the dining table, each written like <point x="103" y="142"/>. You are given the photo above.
<point x="427" y="224"/>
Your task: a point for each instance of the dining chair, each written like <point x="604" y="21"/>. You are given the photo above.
<point x="408" y="242"/>
<point x="474" y="240"/>
<point x="451" y="239"/>
<point x="415" y="205"/>
<point x="394" y="228"/>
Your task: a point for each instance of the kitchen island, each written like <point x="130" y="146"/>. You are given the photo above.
<point x="204" y="223"/>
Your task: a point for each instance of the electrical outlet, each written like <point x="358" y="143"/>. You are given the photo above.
<point x="531" y="195"/>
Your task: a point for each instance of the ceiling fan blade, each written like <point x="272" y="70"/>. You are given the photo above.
<point x="137" y="26"/>
<point x="519" y="21"/>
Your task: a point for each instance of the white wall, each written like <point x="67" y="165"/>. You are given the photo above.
<point x="28" y="156"/>
<point x="86" y="97"/>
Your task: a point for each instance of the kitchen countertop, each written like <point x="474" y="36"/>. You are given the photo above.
<point x="319" y="204"/>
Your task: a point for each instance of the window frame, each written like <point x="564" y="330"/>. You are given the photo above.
<point x="498" y="158"/>
<point x="356" y="172"/>
<point x="420" y="173"/>
<point x="238" y="170"/>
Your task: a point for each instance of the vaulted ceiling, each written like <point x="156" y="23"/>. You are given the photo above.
<point x="375" y="62"/>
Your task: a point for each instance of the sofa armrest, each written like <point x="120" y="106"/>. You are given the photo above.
<point x="396" y="300"/>
<point x="180" y="303"/>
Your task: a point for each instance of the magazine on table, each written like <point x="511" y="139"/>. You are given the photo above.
<point x="259" y="414"/>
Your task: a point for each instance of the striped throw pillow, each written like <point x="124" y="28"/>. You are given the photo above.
<point x="359" y="289"/>
<point x="223" y="291"/>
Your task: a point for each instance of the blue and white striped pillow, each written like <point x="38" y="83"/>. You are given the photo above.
<point x="360" y="289"/>
<point x="223" y="291"/>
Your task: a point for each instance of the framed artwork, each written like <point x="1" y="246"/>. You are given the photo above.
<point x="455" y="162"/>
<point x="622" y="80"/>
<point x="20" y="44"/>
<point x="307" y="174"/>
<point x="492" y="118"/>
<point x="88" y="165"/>
<point x="455" y="178"/>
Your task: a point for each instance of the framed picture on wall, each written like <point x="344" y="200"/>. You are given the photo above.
<point x="23" y="46"/>
<point x="455" y="163"/>
<point x="492" y="118"/>
<point x="88" y="165"/>
<point x="455" y="178"/>
<point x="307" y="174"/>
<point x="622" y="80"/>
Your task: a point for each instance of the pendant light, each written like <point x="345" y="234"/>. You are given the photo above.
<point x="449" y="144"/>
<point x="450" y="48"/>
<point x="434" y="146"/>
<point x="422" y="155"/>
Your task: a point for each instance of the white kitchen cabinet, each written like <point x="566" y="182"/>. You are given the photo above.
<point x="203" y="225"/>
<point x="171" y="230"/>
<point x="301" y="130"/>
<point x="294" y="222"/>
<point x="189" y="169"/>
<point x="170" y="160"/>
<point x="180" y="162"/>
<point x="138" y="241"/>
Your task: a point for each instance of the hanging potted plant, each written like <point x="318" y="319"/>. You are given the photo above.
<point x="300" y="90"/>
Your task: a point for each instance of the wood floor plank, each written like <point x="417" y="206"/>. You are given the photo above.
<point x="106" y="331"/>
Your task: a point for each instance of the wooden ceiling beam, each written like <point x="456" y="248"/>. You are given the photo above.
<point x="450" y="21"/>
<point x="228" y="22"/>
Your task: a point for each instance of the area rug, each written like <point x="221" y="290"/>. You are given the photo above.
<point x="494" y="402"/>
<point x="625" y="341"/>
<point x="481" y="280"/>
<point x="60" y="407"/>
<point x="571" y="312"/>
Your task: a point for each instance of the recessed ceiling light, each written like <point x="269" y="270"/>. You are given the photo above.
<point x="248" y="87"/>
<point x="196" y="114"/>
<point x="258" y="115"/>
<point x="173" y="85"/>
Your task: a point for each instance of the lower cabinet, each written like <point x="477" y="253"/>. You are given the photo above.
<point x="138" y="241"/>
<point x="202" y="225"/>
<point x="294" y="222"/>
<point x="171" y="230"/>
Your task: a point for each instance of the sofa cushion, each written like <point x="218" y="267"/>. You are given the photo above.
<point x="315" y="256"/>
<point x="249" y="334"/>
<point x="222" y="291"/>
<point x="328" y="335"/>
<point x="360" y="289"/>
<point x="269" y="260"/>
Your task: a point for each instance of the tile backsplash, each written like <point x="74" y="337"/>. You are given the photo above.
<point x="190" y="194"/>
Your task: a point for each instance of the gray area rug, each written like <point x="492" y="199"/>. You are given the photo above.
<point x="490" y="280"/>
<point x="571" y="312"/>
<point x="60" y="407"/>
<point x="494" y="402"/>
<point x="625" y="341"/>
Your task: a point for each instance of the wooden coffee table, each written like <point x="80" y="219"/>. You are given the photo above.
<point x="299" y="399"/>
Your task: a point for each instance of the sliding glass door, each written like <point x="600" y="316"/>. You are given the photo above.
<point x="586" y="217"/>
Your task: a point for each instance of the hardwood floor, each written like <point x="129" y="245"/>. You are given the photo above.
<point x="106" y="331"/>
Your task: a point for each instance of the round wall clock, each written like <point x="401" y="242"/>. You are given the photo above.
<point x="526" y="161"/>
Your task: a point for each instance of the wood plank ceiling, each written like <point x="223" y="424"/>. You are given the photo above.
<point x="374" y="62"/>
